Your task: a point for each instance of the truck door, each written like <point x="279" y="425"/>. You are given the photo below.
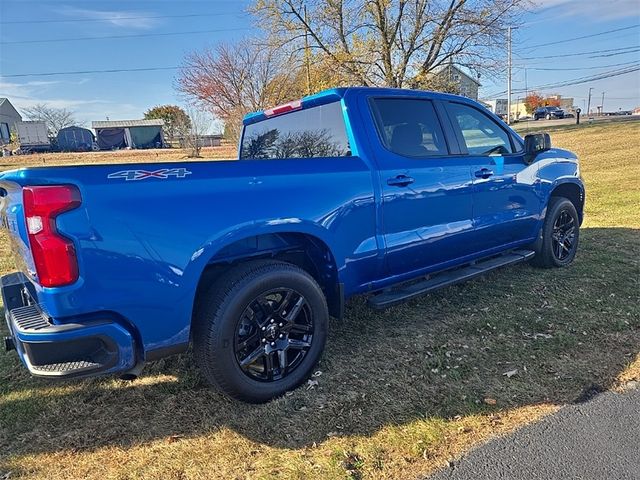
<point x="426" y="192"/>
<point x="506" y="204"/>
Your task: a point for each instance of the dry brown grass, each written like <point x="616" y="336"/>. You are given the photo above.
<point x="225" y="151"/>
<point x="401" y="391"/>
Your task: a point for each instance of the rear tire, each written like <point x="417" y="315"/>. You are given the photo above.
<point x="260" y="329"/>
<point x="558" y="242"/>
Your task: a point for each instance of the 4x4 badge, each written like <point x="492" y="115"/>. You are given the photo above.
<point x="162" y="174"/>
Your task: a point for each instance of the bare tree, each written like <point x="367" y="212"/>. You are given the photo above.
<point x="191" y="132"/>
<point x="55" y="118"/>
<point x="232" y="80"/>
<point x="396" y="43"/>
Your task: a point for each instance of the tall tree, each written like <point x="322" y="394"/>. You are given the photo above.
<point x="54" y="118"/>
<point x="175" y="119"/>
<point x="533" y="101"/>
<point x="552" y="102"/>
<point x="396" y="43"/>
<point x="234" y="79"/>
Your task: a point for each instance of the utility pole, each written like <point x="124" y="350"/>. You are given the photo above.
<point x="307" y="60"/>
<point x="526" y="92"/>
<point x="602" y="105"/>
<point x="589" y="102"/>
<point x="509" y="76"/>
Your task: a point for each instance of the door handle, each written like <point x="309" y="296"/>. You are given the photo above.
<point x="400" y="181"/>
<point x="484" y="173"/>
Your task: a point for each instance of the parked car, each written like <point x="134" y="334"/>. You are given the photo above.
<point x="549" y="113"/>
<point x="384" y="192"/>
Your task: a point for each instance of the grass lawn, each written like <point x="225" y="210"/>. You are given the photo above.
<point x="116" y="156"/>
<point x="397" y="394"/>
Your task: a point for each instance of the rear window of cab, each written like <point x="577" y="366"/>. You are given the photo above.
<point x="312" y="132"/>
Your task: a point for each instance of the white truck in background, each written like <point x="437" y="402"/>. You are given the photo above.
<point x="33" y="136"/>
<point x="498" y="106"/>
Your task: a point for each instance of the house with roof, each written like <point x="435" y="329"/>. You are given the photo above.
<point x="8" y="118"/>
<point x="458" y="81"/>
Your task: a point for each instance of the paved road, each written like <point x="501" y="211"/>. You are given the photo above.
<point x="542" y="124"/>
<point x="597" y="440"/>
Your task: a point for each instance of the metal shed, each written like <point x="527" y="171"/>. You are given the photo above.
<point x="114" y="134"/>
<point x="75" y="139"/>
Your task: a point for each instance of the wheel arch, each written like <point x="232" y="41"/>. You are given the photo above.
<point x="572" y="191"/>
<point x="303" y="249"/>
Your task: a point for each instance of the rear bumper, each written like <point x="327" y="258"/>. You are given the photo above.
<point x="56" y="349"/>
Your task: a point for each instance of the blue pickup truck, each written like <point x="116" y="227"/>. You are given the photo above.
<point x="385" y="192"/>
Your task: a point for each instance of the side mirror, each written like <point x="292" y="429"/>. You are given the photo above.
<point x="535" y="143"/>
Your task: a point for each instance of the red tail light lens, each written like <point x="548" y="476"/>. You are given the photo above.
<point x="285" y="108"/>
<point x="53" y="254"/>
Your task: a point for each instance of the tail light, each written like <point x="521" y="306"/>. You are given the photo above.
<point x="53" y="254"/>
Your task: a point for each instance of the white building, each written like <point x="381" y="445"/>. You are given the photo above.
<point x="8" y="118"/>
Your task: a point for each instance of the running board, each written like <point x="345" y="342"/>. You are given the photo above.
<point x="399" y="294"/>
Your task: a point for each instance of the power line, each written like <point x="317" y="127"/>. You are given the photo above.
<point x="601" y="76"/>
<point x="151" y="69"/>
<point x="137" y="35"/>
<point x="117" y="18"/>
<point x="579" y="68"/>
<point x="607" y="53"/>
<point x="581" y="37"/>
<point x="615" y="98"/>
<point x="581" y="80"/>
<point x="85" y="72"/>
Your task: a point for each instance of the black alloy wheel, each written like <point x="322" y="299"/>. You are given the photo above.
<point x="563" y="236"/>
<point x="259" y="329"/>
<point x="274" y="334"/>
<point x="558" y="241"/>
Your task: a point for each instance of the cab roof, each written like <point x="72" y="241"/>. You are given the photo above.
<point x="335" y="94"/>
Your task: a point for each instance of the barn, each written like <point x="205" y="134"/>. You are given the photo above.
<point x="8" y="118"/>
<point x="115" y="134"/>
<point x="75" y="139"/>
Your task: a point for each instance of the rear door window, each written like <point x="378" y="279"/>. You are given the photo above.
<point x="312" y="132"/>
<point x="409" y="127"/>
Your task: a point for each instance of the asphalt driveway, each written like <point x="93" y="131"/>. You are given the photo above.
<point x="596" y="440"/>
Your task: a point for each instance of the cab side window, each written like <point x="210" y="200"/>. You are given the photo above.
<point x="482" y="135"/>
<point x="409" y="127"/>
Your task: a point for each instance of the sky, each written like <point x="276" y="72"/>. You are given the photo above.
<point x="51" y="36"/>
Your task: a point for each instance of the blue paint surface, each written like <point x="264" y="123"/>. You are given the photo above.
<point x="143" y="244"/>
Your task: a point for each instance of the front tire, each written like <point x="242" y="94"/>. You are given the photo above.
<point x="558" y="243"/>
<point x="260" y="329"/>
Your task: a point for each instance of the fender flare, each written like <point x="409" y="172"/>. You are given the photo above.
<point x="202" y="256"/>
